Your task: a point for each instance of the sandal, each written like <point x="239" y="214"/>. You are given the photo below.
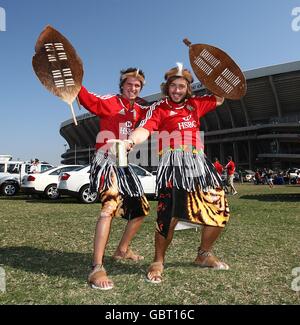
<point x="98" y="278"/>
<point x="129" y="255"/>
<point x="207" y="259"/>
<point x="155" y="271"/>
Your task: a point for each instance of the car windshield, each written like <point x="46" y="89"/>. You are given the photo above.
<point x="47" y="170"/>
<point x="79" y="168"/>
<point x="45" y="167"/>
<point x="13" y="168"/>
<point x="139" y="170"/>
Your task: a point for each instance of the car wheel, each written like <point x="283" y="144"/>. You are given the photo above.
<point x="85" y="196"/>
<point x="10" y="189"/>
<point x="51" y="192"/>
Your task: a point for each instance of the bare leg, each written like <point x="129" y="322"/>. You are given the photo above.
<point x="101" y="238"/>
<point x="209" y="236"/>
<point x="98" y="278"/>
<point x="233" y="190"/>
<point x="123" y="252"/>
<point x="161" y="245"/>
<point x="205" y="258"/>
<point x="230" y="183"/>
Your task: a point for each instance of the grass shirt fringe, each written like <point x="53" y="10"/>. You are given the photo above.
<point x="187" y="170"/>
<point x="104" y="168"/>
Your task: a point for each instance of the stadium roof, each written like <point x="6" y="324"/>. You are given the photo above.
<point x="273" y="96"/>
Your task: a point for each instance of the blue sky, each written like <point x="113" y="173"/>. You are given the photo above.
<point x="115" y="34"/>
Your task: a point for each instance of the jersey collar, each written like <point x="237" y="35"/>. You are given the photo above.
<point x="174" y="105"/>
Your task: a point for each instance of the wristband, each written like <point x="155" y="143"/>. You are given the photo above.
<point x="131" y="142"/>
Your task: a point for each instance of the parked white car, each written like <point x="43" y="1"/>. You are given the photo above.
<point x="45" y="183"/>
<point x="293" y="172"/>
<point x="147" y="179"/>
<point x="9" y="186"/>
<point x="11" y="174"/>
<point x="248" y="175"/>
<point x="77" y="183"/>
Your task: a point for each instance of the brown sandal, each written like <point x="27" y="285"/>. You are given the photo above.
<point x="154" y="274"/>
<point x="98" y="278"/>
<point x="207" y="259"/>
<point x="129" y="255"/>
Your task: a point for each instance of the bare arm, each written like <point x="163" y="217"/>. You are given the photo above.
<point x="139" y="135"/>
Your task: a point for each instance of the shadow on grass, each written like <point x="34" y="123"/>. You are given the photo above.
<point x="57" y="263"/>
<point x="284" y="197"/>
<point x="36" y="200"/>
<point x="13" y="198"/>
<point x="59" y="201"/>
<point x="63" y="200"/>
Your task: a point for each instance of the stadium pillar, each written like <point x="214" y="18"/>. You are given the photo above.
<point x="222" y="154"/>
<point x="250" y="155"/>
<point x="236" y="152"/>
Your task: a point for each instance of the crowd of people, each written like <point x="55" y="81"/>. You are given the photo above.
<point x="229" y="168"/>
<point x="264" y="176"/>
<point x="269" y="177"/>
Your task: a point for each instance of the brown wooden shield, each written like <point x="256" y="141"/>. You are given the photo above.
<point x="57" y="65"/>
<point x="217" y="71"/>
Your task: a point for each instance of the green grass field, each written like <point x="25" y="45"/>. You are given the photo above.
<point x="46" y="250"/>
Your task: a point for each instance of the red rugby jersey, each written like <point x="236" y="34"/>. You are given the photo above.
<point x="230" y="168"/>
<point x="117" y="118"/>
<point x="178" y="124"/>
<point x="219" y="167"/>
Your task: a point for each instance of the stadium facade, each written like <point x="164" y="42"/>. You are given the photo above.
<point x="260" y="130"/>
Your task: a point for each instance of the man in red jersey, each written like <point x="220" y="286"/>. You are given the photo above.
<point x="219" y="167"/>
<point x="120" y="190"/>
<point x="189" y="187"/>
<point x="230" y="168"/>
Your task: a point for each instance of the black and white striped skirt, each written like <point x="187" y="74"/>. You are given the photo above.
<point x="188" y="171"/>
<point x="104" y="171"/>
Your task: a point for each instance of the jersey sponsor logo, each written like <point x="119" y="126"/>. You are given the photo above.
<point x="126" y="128"/>
<point x="125" y="131"/>
<point x="186" y="119"/>
<point x="188" y="123"/>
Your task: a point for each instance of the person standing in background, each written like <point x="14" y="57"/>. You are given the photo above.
<point x="219" y="167"/>
<point x="230" y="168"/>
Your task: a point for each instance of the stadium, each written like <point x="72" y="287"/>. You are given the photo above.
<point x="260" y="130"/>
